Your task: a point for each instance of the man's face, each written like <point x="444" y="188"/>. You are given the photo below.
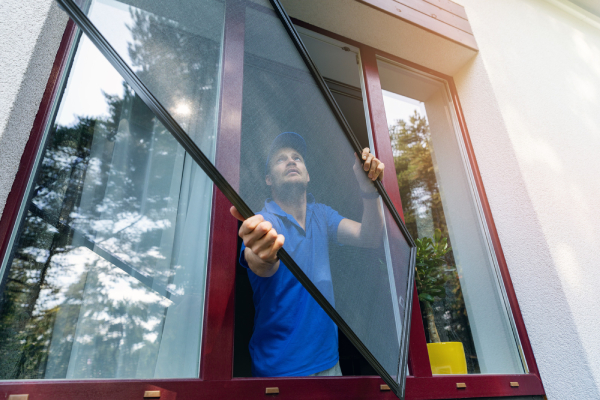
<point x="287" y="168"/>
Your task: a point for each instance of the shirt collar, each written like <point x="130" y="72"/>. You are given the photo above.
<point x="272" y="207"/>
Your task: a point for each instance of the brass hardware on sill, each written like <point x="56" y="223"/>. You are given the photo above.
<point x="152" y="394"/>
<point x="461" y="385"/>
<point x="514" y="384"/>
<point x="18" y="397"/>
<point x="384" y="387"/>
<point x="272" y="390"/>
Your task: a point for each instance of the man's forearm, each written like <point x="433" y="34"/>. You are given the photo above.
<point x="258" y="265"/>
<point x="368" y="232"/>
<point x="371" y="227"/>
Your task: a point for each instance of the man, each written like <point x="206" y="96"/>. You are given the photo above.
<point x="293" y="336"/>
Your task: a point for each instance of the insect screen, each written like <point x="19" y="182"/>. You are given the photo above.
<point x="344" y="242"/>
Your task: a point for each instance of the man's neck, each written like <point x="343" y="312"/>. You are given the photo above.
<point x="295" y="206"/>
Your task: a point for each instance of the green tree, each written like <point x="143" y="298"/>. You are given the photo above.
<point x="25" y="322"/>
<point x="415" y="172"/>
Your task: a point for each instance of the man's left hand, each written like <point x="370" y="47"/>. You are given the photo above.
<point x="373" y="168"/>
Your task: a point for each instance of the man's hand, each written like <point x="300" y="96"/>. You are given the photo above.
<point x="262" y="244"/>
<point x="373" y="168"/>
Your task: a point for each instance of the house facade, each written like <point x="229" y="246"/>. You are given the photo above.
<point x="119" y="256"/>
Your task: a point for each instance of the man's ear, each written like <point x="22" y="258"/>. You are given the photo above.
<point x="308" y="176"/>
<point x="268" y="180"/>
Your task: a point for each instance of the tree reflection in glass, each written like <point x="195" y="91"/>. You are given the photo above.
<point x="424" y="215"/>
<point x="106" y="277"/>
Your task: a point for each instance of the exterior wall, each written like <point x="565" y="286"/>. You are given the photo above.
<point x="30" y="33"/>
<point x="531" y="99"/>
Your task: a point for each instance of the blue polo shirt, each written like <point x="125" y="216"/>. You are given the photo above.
<point x="293" y="336"/>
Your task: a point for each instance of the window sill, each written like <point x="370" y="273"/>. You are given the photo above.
<point x="348" y="388"/>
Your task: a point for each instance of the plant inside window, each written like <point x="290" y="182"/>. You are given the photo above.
<point x="431" y="276"/>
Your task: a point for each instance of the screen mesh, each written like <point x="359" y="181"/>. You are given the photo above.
<point x="281" y="95"/>
<point x="364" y="281"/>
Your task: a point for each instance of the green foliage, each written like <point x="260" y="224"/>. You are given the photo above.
<point x="431" y="273"/>
<point x="415" y="172"/>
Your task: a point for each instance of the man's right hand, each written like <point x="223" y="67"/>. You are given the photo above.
<point x="262" y="243"/>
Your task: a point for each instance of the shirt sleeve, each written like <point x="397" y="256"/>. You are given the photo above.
<point x="333" y="219"/>
<point x="243" y="261"/>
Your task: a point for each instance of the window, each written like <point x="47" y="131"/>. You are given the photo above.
<point x="107" y="277"/>
<point x="154" y="275"/>
<point x="361" y="283"/>
<point x="462" y="298"/>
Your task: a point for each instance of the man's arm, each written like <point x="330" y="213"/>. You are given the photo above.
<point x="368" y="232"/>
<point x="262" y="244"/>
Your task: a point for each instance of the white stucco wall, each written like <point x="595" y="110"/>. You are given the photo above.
<point x="532" y="104"/>
<point x="30" y="33"/>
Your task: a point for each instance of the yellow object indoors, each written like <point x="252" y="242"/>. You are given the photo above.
<point x="447" y="358"/>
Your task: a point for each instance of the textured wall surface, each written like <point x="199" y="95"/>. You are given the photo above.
<point x="532" y="99"/>
<point x="30" y="33"/>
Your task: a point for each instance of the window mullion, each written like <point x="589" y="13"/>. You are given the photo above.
<point x="217" y="346"/>
<point x="379" y="128"/>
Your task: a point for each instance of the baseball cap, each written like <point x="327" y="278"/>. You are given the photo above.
<point x="286" y="139"/>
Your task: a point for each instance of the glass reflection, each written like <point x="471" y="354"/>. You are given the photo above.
<point x="106" y="278"/>
<point x="174" y="48"/>
<point x="444" y="314"/>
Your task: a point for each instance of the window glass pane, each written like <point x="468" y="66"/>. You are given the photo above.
<point x="338" y="62"/>
<point x="365" y="280"/>
<point x="175" y="49"/>
<point x="460" y="290"/>
<point x="106" y="278"/>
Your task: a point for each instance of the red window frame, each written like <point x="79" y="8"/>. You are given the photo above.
<point x="216" y="369"/>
